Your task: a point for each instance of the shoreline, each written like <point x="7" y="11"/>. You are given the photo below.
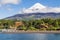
<point x="28" y="31"/>
<point x="42" y="32"/>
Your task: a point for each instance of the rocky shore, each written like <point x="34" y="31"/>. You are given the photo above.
<point x="28" y="31"/>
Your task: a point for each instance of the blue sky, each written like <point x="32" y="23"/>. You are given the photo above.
<point x="9" y="8"/>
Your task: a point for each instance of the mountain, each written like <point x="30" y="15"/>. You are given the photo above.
<point x="38" y="7"/>
<point x="37" y="11"/>
<point x="35" y="8"/>
<point x="34" y="16"/>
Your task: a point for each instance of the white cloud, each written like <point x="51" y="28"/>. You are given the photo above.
<point x="10" y="1"/>
<point x="0" y="5"/>
<point x="9" y="9"/>
<point x="57" y="9"/>
<point x="51" y="9"/>
<point x="44" y="10"/>
<point x="21" y="11"/>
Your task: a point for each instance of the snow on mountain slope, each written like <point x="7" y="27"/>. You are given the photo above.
<point x="41" y="8"/>
<point x="37" y="6"/>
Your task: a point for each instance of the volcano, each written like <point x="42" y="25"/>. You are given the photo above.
<point x="35" y="8"/>
<point x="37" y="11"/>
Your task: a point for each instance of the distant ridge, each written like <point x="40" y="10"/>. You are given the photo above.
<point x="34" y="16"/>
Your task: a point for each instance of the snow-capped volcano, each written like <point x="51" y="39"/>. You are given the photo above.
<point x="41" y="8"/>
<point x="37" y="6"/>
<point x="37" y="11"/>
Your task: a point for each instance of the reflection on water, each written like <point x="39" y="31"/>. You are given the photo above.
<point x="36" y="36"/>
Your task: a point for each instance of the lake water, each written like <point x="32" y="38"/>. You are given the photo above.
<point x="32" y="36"/>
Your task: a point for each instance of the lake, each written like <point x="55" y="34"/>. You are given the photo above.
<point x="32" y="36"/>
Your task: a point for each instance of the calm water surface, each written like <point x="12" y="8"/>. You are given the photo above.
<point x="35" y="36"/>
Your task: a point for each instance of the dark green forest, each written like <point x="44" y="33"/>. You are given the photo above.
<point x="40" y="24"/>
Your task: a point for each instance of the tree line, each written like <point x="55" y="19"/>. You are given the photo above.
<point x="39" y="24"/>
